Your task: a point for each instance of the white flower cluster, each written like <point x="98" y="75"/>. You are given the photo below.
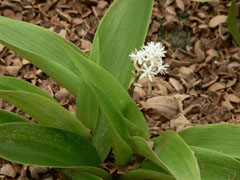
<point x="149" y="60"/>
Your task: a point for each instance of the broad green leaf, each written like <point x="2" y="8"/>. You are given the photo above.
<point x="177" y="156"/>
<point x="232" y="22"/>
<point x="88" y="169"/>
<point x="83" y="176"/>
<point x="141" y="147"/>
<point x="45" y="146"/>
<point x="9" y="117"/>
<point x="216" y="166"/>
<point x="152" y="166"/>
<point x="219" y="137"/>
<point x="12" y="35"/>
<point x="14" y="84"/>
<point x="108" y="85"/>
<point x="46" y="111"/>
<point x="118" y="34"/>
<point x="101" y="139"/>
<point x="117" y="129"/>
<point x="42" y="47"/>
<point x="122" y="29"/>
<point x="87" y="106"/>
<point x="142" y="174"/>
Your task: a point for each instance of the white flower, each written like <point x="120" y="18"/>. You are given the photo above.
<point x="147" y="72"/>
<point x="149" y="60"/>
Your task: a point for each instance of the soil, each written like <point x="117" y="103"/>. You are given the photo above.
<point x="202" y="85"/>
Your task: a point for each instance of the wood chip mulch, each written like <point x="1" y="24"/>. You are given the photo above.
<point x="201" y="87"/>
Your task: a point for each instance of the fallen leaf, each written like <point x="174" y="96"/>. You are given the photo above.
<point x="163" y="104"/>
<point x="217" y="20"/>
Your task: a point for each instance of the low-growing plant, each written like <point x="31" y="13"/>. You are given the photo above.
<point x="107" y="117"/>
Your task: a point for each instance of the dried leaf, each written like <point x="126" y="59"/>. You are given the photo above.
<point x="217" y="20"/>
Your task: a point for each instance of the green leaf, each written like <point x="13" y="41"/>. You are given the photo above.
<point x="117" y="128"/>
<point x="104" y="82"/>
<point x="87" y="106"/>
<point x="216" y="166"/>
<point x="122" y="29"/>
<point x="219" y="137"/>
<point x="101" y="139"/>
<point x="46" y="111"/>
<point x="39" y="47"/>
<point x="152" y="166"/>
<point x="141" y="147"/>
<point x="177" y="156"/>
<point x="42" y="47"/>
<point x="14" y="84"/>
<point x="45" y="146"/>
<point x="88" y="169"/>
<point x="9" y="117"/>
<point x="232" y="22"/>
<point x="84" y="176"/>
<point x="118" y="34"/>
<point x="142" y="174"/>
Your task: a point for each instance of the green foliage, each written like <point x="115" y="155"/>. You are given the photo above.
<point x="232" y="22"/>
<point x="219" y="137"/>
<point x="45" y="146"/>
<point x="177" y="156"/>
<point x="214" y="165"/>
<point x="106" y="117"/>
<point x="46" y="111"/>
<point x="7" y="117"/>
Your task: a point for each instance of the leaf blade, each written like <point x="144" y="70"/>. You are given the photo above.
<point x="232" y="22"/>
<point x="52" y="57"/>
<point x="122" y="29"/>
<point x="219" y="137"/>
<point x="8" y="117"/>
<point x="14" y="84"/>
<point x="44" y="110"/>
<point x="24" y="143"/>
<point x="177" y="156"/>
<point x="214" y="165"/>
<point x="141" y="174"/>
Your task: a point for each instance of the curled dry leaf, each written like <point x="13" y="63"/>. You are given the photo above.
<point x="217" y="20"/>
<point x="180" y="98"/>
<point x="216" y="86"/>
<point x="176" y="84"/>
<point x="139" y="94"/>
<point x="163" y="104"/>
<point x="228" y="105"/>
<point x="180" y="4"/>
<point x="62" y="94"/>
<point x="179" y="123"/>
<point x="198" y="50"/>
<point x="232" y="98"/>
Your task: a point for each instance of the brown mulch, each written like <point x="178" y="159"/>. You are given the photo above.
<point x="201" y="87"/>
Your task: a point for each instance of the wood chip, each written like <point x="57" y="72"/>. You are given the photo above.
<point x="217" y="20"/>
<point x="64" y="16"/>
<point x="179" y="123"/>
<point x="13" y="70"/>
<point x="61" y="94"/>
<point x="216" y="86"/>
<point x="1" y="47"/>
<point x="102" y="4"/>
<point x="8" y="170"/>
<point x="180" y="4"/>
<point x="86" y="44"/>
